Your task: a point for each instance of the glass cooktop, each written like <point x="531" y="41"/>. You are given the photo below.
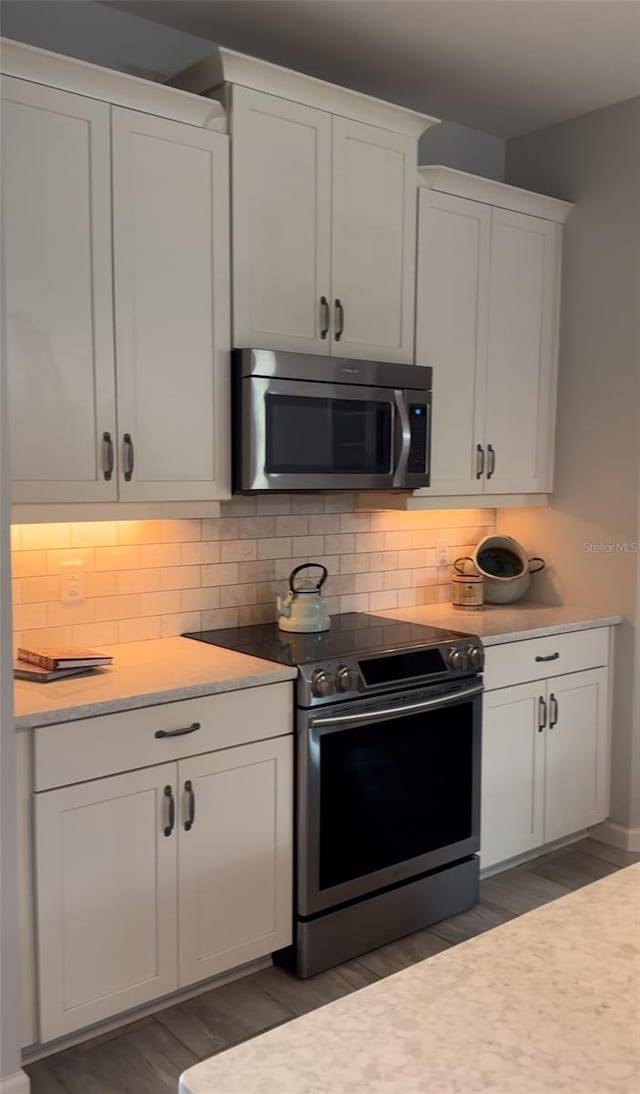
<point x="351" y="635"/>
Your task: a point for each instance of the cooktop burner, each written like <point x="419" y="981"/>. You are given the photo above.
<point x="352" y="634"/>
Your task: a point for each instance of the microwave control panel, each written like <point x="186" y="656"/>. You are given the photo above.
<point x="418" y="419"/>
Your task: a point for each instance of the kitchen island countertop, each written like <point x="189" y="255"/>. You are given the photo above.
<point x="545" y="1004"/>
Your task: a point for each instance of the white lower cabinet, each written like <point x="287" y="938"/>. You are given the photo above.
<point x="106" y="904"/>
<point x="154" y="879"/>
<point x="577" y="768"/>
<point x="545" y="762"/>
<point x="234" y="872"/>
<point x="512" y="773"/>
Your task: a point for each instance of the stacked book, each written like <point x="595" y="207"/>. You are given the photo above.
<point x="57" y="663"/>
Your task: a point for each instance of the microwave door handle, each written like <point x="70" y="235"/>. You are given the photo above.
<point x="401" y="438"/>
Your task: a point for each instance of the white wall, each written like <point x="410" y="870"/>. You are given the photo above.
<point x="104" y="36"/>
<point x="465" y="149"/>
<point x="12" y="1079"/>
<point x="594" y="160"/>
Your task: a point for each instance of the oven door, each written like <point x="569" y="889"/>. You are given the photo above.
<point x="387" y="789"/>
<point x="305" y="435"/>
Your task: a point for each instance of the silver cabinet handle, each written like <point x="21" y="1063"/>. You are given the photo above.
<point x="542" y="714"/>
<point x="479" y="461"/>
<point x="159" y="733"/>
<point x="129" y="457"/>
<point x="339" y="314"/>
<point x="492" y="460"/>
<point x="324" y="306"/>
<point x="553" y="711"/>
<point x="107" y="456"/>
<point x="191" y="805"/>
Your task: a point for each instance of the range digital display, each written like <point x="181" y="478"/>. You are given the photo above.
<point x="401" y="666"/>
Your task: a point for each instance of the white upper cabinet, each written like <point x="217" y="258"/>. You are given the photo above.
<point x="281" y="156"/>
<point x="451" y="333"/>
<point x="523" y="301"/>
<point x="373" y="251"/>
<point x="170" y="230"/>
<point x="78" y="174"/>
<point x="324" y="211"/>
<point x="58" y="305"/>
<point x="487" y="317"/>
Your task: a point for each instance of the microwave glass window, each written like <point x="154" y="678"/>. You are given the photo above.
<point x="339" y="436"/>
<point x="393" y="791"/>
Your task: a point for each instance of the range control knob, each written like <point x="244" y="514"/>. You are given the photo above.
<point x="474" y="656"/>
<point x="455" y="658"/>
<point x="322" y="683"/>
<point x="345" y="679"/>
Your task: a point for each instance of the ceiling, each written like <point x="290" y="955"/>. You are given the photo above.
<point x="503" y="66"/>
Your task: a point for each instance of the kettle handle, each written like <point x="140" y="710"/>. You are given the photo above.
<point x="461" y="569"/>
<point x="308" y="566"/>
<point x="537" y="569"/>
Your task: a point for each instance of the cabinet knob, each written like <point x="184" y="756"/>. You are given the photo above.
<point x="107" y="456"/>
<point x="553" y="711"/>
<point x="479" y="461"/>
<point x="191" y="805"/>
<point x="129" y="457"/>
<point x="171" y="808"/>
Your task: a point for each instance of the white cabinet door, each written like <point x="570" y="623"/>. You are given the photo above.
<point x="513" y="747"/>
<point x="451" y="333"/>
<point x="373" y="234"/>
<point x="281" y="223"/>
<point x="106" y="898"/>
<point x="58" y="303"/>
<point x="521" y="352"/>
<point x="235" y="860"/>
<point x="577" y="773"/>
<point x="171" y="272"/>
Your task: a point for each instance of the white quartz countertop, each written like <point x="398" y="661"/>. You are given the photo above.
<point x="548" y="1002"/>
<point x="497" y="624"/>
<point x="161" y="670"/>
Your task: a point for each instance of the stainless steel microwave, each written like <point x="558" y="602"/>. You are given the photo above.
<point x="305" y="422"/>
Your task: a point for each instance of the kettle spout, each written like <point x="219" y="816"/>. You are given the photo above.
<point x="283" y="605"/>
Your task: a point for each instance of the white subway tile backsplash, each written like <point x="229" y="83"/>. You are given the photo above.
<point x="147" y="579"/>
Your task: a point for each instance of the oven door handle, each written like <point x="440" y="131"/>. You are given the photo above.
<point x="346" y="720"/>
<point x="401" y="438"/>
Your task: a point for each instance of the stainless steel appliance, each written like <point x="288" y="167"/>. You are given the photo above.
<point x="388" y="778"/>
<point x="324" y="423"/>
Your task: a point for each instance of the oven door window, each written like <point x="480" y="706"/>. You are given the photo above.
<point x="393" y="791"/>
<point x="307" y="435"/>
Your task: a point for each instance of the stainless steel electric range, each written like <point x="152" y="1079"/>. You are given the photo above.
<point x="388" y="737"/>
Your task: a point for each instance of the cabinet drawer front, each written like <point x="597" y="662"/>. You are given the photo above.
<point x="75" y="751"/>
<point x="539" y="658"/>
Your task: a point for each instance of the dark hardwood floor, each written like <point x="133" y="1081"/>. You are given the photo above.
<point x="147" y="1056"/>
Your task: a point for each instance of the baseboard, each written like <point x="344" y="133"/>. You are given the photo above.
<point x="38" y="1051"/>
<point x="18" y="1083"/>
<point x="616" y="835"/>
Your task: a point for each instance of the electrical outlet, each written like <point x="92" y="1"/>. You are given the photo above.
<point x="442" y="553"/>
<point x="72" y="582"/>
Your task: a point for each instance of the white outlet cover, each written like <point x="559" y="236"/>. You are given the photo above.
<point x="72" y="582"/>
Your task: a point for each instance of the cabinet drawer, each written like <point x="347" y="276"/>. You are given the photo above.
<point x="94" y="747"/>
<point x="539" y="658"/>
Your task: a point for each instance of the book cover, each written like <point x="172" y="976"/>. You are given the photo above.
<point x="59" y="657"/>
<point x="24" y="671"/>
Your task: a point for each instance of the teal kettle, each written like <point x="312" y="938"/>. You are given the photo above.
<point x="303" y="610"/>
